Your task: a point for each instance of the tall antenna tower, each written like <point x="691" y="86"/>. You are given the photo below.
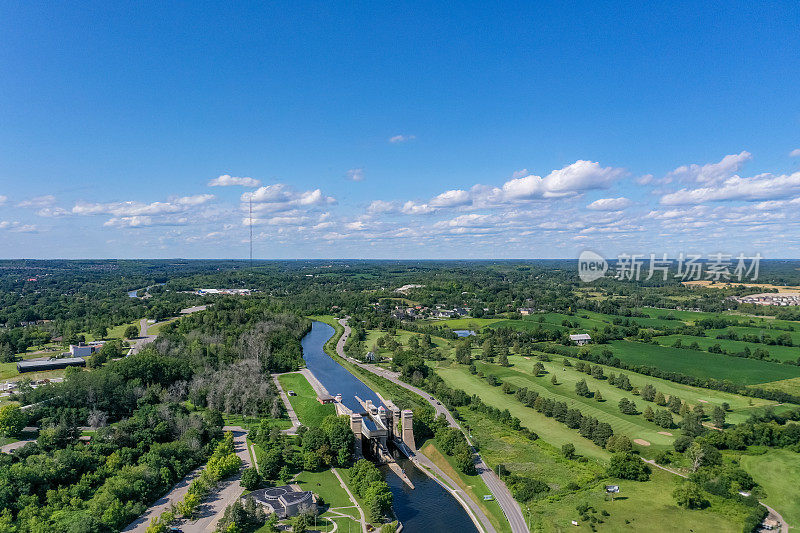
<point x="251" y="231"/>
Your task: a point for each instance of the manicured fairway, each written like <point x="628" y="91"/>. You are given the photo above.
<point x="310" y="412"/>
<point x="702" y="364"/>
<point x="778" y="472"/>
<point x="741" y="406"/>
<point x="551" y="430"/>
<point x="634" y="426"/>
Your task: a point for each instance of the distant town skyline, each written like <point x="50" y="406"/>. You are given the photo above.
<point x="419" y="131"/>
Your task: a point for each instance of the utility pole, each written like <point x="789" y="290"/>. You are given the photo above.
<point x="251" y="230"/>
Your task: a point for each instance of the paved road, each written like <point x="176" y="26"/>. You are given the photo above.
<point x="502" y="495"/>
<point x="143" y="339"/>
<point x="773" y="514"/>
<point x="213" y="507"/>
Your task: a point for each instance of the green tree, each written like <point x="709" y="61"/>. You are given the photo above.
<point x="689" y="495"/>
<point x="568" y="450"/>
<point x="131" y="332"/>
<point x="251" y="479"/>
<point x="582" y="389"/>
<point x="718" y="417"/>
<point x="12" y="420"/>
<point x="628" y="466"/>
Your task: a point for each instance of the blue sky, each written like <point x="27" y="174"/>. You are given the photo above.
<point x="414" y="130"/>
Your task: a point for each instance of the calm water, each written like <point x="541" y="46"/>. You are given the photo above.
<point x="428" y="507"/>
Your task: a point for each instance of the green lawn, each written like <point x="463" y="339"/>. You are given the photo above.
<point x="701" y="364"/>
<point x="634" y="426"/>
<point x="782" y="353"/>
<point x="551" y="430"/>
<point x="250" y="422"/>
<point x="326" y="485"/>
<point x="640" y="506"/>
<point x="310" y="412"/>
<point x="647" y="506"/>
<point x="117" y="332"/>
<point x="778" y="472"/>
<point x="741" y="406"/>
<point x="463" y="323"/>
<point x="473" y="485"/>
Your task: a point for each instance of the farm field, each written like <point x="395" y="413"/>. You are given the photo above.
<point x="702" y="364"/>
<point x="755" y="330"/>
<point x="655" y="323"/>
<point x="777" y="471"/>
<point x="463" y="323"/>
<point x="527" y="324"/>
<point x="310" y="412"/>
<point x="783" y="353"/>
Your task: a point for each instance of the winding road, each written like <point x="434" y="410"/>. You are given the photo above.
<point x="502" y="495"/>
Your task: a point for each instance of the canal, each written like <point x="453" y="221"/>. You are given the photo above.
<point x="426" y="508"/>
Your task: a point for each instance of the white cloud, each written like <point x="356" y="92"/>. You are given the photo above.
<point x="609" y="204"/>
<point x="401" y="138"/>
<point x="38" y="201"/>
<point x="795" y="153"/>
<point x="379" y="206"/>
<point x="355" y="174"/>
<point x="52" y="212"/>
<point x="280" y="197"/>
<point x="582" y="176"/>
<point x="452" y="198"/>
<point x="413" y="208"/>
<point x="141" y="221"/>
<point x="761" y="187"/>
<point x="713" y="172"/>
<point x="18" y="227"/>
<point x="132" y="208"/>
<point x="226" y="180"/>
<point x="3" y="199"/>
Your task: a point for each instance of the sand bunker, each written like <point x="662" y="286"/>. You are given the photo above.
<point x="667" y="433"/>
<point x="641" y="442"/>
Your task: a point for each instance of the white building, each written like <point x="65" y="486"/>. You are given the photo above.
<point x="580" y="338"/>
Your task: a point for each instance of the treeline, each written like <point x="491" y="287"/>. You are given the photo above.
<point x="606" y="357"/>
<point x="370" y="486"/>
<point x="61" y="484"/>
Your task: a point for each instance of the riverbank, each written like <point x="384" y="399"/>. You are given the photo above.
<point x="487" y="516"/>
<point x="429" y="505"/>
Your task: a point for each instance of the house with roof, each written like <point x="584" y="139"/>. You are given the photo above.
<point x="580" y="338"/>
